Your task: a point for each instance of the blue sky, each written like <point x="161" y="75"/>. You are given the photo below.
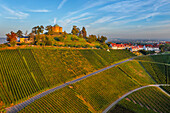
<point x="130" y="19"/>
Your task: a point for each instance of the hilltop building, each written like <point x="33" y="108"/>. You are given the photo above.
<point x="57" y="29"/>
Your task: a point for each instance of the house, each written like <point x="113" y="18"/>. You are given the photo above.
<point x="156" y="48"/>
<point x="134" y="48"/>
<point x="167" y="42"/>
<point x="117" y="46"/>
<point x="127" y="46"/>
<point x="23" y="39"/>
<point x="149" y="47"/>
<point x="141" y="47"/>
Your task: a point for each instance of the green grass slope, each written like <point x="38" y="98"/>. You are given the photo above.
<point x="134" y="70"/>
<point x="26" y="72"/>
<point x="95" y="92"/>
<point x="147" y="100"/>
<point x="159" y="72"/>
<point x="165" y="58"/>
<point x="63" y="100"/>
<point x="16" y="80"/>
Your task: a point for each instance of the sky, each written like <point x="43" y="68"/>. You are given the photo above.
<point x="125" y="19"/>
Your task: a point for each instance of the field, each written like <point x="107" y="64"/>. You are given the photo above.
<point x="63" y="100"/>
<point x="27" y="72"/>
<point x="95" y="92"/>
<point x="156" y="58"/>
<point x="148" y="100"/>
<point x="166" y="88"/>
<point x="134" y="70"/>
<point x="159" y="72"/>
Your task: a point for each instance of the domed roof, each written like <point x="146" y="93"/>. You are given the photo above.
<point x="56" y="25"/>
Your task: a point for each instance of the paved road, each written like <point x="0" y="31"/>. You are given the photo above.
<point x="114" y="103"/>
<point x="18" y="107"/>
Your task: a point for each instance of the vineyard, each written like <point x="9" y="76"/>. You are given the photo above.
<point x="27" y="72"/>
<point x="148" y="100"/>
<point x="63" y="100"/>
<point x="95" y="92"/>
<point x="166" y="88"/>
<point x="134" y="70"/>
<point x="156" y="58"/>
<point x="159" y="72"/>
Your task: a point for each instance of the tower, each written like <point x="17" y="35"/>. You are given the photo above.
<point x="57" y="29"/>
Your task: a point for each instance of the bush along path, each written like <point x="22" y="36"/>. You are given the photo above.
<point x="18" y="107"/>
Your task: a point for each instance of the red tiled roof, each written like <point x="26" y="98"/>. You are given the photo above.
<point x="149" y="45"/>
<point x="167" y="42"/>
<point x="140" y="46"/>
<point x="134" y="47"/>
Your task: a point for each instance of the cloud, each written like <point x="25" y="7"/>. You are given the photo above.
<point x="55" y="20"/>
<point x="141" y="17"/>
<point x="16" y="14"/>
<point x="61" y="4"/>
<point x="82" y="19"/>
<point x="90" y="4"/>
<point x="103" y="20"/>
<point x="40" y="11"/>
<point x="11" y="18"/>
<point x="127" y="6"/>
<point x="75" y="19"/>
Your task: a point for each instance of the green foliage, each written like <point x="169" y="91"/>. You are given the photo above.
<point x="165" y="58"/>
<point x="146" y="52"/>
<point x="94" y="93"/>
<point x="75" y="30"/>
<point x="157" y="71"/>
<point x="137" y="72"/>
<point x="148" y="100"/>
<point x="13" y="43"/>
<point x="95" y="60"/>
<point x="84" y="32"/>
<point x="166" y="88"/>
<point x="26" y="72"/>
<point x="102" y="39"/>
<point x="104" y="88"/>
<point x="74" y="38"/>
<point x="38" y="30"/>
<point x="165" y="47"/>
<point x="63" y="100"/>
<point x="49" y="29"/>
<point x="59" y="38"/>
<point x="16" y="80"/>
<point x="92" y="38"/>
<point x="19" y="33"/>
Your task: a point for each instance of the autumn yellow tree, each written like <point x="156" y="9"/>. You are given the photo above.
<point x="12" y="38"/>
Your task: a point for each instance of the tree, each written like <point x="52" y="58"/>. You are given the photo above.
<point x="38" y="29"/>
<point x="34" y="30"/>
<point x="75" y="30"/>
<point x="19" y="33"/>
<point x="92" y="38"/>
<point x="102" y="39"/>
<point x="26" y="33"/>
<point x="49" y="29"/>
<point x="31" y="37"/>
<point x="12" y="38"/>
<point x="80" y="35"/>
<point x="84" y="32"/>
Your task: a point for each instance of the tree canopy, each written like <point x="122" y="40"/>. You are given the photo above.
<point x="19" y="33"/>
<point x="11" y="36"/>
